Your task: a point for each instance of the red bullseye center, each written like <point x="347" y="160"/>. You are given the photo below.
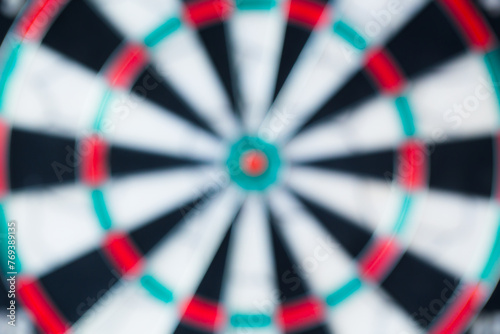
<point x="253" y="163"/>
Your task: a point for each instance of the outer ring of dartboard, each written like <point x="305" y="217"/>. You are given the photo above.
<point x="473" y="294"/>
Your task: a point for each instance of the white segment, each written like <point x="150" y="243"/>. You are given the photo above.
<point x="250" y="287"/>
<point x="373" y="126"/>
<point x="378" y="20"/>
<point x="52" y="92"/>
<point x="321" y="68"/>
<point x="183" y="61"/>
<point x="54" y="227"/>
<point x="183" y="258"/>
<point x="127" y="308"/>
<point x="455" y="232"/>
<point x="371" y="311"/>
<point x="366" y="202"/>
<point x="456" y="100"/>
<point x="256" y="42"/>
<point x="135" y="200"/>
<point x="136" y="19"/>
<point x="321" y="259"/>
<point x="136" y="123"/>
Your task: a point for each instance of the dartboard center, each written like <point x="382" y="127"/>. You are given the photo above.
<point x="253" y="164"/>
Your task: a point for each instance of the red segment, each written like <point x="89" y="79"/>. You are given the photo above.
<point x="127" y="65"/>
<point x="300" y="314"/>
<point x="4" y="158"/>
<point x="305" y="12"/>
<point x="472" y="24"/>
<point x="379" y="258"/>
<point x="464" y="308"/>
<point x="94" y="161"/>
<point x="40" y="307"/>
<point x="37" y="18"/>
<point x="384" y="70"/>
<point x="204" y="12"/>
<point x="203" y="313"/>
<point x="123" y="254"/>
<point x="254" y="163"/>
<point x="412" y="165"/>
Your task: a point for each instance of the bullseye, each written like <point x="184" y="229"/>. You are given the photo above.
<point x="254" y="163"/>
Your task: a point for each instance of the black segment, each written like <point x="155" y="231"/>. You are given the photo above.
<point x="295" y="39"/>
<point x="154" y="88"/>
<point x="378" y="165"/>
<point x="148" y="235"/>
<point x="5" y="23"/>
<point x="428" y="40"/>
<point x="320" y="329"/>
<point x="4" y="287"/>
<point x="75" y="287"/>
<point x="186" y="329"/>
<point x="82" y="35"/>
<point x="350" y="235"/>
<point x="215" y="41"/>
<point x="211" y="285"/>
<point x="125" y="161"/>
<point x="289" y="280"/>
<point x="463" y="166"/>
<point x="420" y="288"/>
<point x="357" y="89"/>
<point x="40" y="159"/>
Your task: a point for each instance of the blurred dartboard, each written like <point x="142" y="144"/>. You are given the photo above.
<point x="249" y="166"/>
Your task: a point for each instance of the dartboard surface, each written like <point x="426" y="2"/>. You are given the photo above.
<point x="249" y="166"/>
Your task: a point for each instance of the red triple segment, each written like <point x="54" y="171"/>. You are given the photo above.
<point x="201" y="13"/>
<point x="300" y="314"/>
<point x="40" y="307"/>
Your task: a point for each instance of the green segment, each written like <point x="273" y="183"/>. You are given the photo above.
<point x="241" y="320"/>
<point x="344" y="292"/>
<point x="349" y="34"/>
<point x="100" y="209"/>
<point x="253" y="183"/>
<point x="156" y="289"/>
<point x="403" y="214"/>
<point x="406" y="116"/>
<point x="102" y="110"/>
<point x="255" y="4"/>
<point x="10" y="64"/>
<point x="167" y="28"/>
<point x="490" y="271"/>
<point x="4" y="240"/>
<point x="493" y="63"/>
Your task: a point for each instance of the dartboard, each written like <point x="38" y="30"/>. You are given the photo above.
<point x="248" y="166"/>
